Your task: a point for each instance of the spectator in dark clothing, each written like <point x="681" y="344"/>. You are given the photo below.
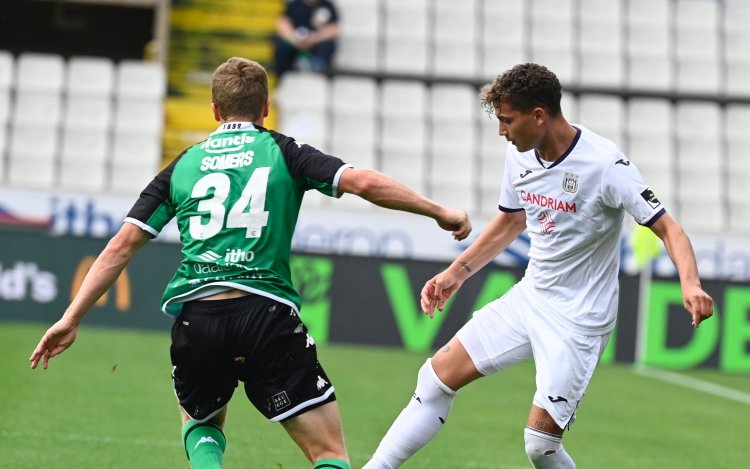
<point x="306" y="36"/>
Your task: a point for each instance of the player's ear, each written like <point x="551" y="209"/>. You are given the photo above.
<point x="217" y="114"/>
<point x="539" y="114"/>
<point x="266" y="107"/>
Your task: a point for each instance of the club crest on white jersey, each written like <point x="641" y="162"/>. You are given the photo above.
<point x="570" y="182"/>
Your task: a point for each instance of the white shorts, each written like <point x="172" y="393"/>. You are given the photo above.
<point x="509" y="330"/>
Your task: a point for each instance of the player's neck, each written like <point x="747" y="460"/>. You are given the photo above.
<point x="557" y="140"/>
<point x="259" y="121"/>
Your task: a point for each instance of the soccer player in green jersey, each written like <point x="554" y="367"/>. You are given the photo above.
<point x="236" y="197"/>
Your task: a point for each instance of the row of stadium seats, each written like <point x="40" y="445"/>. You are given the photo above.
<point x="687" y="46"/>
<point x="438" y="140"/>
<point x="85" y="123"/>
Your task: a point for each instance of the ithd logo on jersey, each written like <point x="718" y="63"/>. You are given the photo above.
<point x="570" y="182"/>
<point x="238" y="255"/>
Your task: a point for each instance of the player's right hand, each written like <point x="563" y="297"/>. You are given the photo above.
<point x="437" y="291"/>
<point x="457" y="222"/>
<point x="55" y="341"/>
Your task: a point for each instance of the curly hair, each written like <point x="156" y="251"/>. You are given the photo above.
<point x="524" y="87"/>
<point x="239" y="88"/>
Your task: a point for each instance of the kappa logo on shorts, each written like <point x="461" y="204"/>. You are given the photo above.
<point x="280" y="400"/>
<point x="321" y="383"/>
<point x="310" y="341"/>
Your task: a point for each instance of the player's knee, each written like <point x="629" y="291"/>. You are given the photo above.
<point x="541" y="446"/>
<point x="430" y="386"/>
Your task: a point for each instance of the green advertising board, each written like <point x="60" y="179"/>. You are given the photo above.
<point x="373" y="301"/>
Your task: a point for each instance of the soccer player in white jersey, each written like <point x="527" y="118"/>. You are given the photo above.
<point x="570" y="188"/>
<point x="236" y="197"/>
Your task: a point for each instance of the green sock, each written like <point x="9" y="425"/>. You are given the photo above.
<point x="331" y="464"/>
<point x="204" y="444"/>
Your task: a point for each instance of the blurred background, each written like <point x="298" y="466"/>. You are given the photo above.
<point x="97" y="95"/>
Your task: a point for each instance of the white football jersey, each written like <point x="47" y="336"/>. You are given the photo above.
<point x="574" y="213"/>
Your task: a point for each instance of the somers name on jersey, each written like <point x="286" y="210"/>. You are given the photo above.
<point x="232" y="160"/>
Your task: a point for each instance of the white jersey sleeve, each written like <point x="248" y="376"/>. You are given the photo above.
<point x="623" y="187"/>
<point x="509" y="201"/>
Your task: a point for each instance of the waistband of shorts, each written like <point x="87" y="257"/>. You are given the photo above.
<point x="226" y="307"/>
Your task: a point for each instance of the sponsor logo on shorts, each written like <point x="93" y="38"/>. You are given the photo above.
<point x="557" y="399"/>
<point x="321" y="383"/>
<point x="280" y="400"/>
<point x="310" y="341"/>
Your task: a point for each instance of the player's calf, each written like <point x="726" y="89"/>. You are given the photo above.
<point x="418" y="423"/>
<point x="204" y="444"/>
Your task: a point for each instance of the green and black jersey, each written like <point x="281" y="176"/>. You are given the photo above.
<point x="236" y="197"/>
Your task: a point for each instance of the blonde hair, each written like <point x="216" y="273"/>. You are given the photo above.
<point x="239" y="88"/>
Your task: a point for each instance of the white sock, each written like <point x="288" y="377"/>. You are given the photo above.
<point x="417" y="424"/>
<point x="546" y="451"/>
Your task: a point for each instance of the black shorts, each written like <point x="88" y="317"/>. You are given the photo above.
<point x="253" y="339"/>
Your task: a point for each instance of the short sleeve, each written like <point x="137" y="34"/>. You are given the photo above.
<point x="154" y="207"/>
<point x="624" y="187"/>
<point x="318" y="170"/>
<point x="508" y="196"/>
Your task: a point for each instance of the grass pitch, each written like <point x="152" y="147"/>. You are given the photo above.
<point x="108" y="403"/>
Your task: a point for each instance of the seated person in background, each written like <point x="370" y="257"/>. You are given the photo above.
<point x="306" y="36"/>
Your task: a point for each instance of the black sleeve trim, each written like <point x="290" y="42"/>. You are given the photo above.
<point x="509" y="210"/>
<point x="156" y="193"/>
<point x="303" y="160"/>
<point x="655" y="217"/>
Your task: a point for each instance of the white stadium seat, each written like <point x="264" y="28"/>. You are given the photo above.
<point x="359" y="45"/>
<point x="7" y="70"/>
<point x="503" y="36"/>
<point x="600" y="43"/>
<point x="83" y="159"/>
<point x="90" y="76"/>
<point x="649" y="45"/>
<point x="140" y="80"/>
<point x="406" y="37"/>
<point x="40" y="73"/>
<point x="604" y="115"/>
<point x="32" y="108"/>
<point x="32" y="156"/>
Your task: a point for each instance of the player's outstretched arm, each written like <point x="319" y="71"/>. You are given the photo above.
<point x="105" y="270"/>
<point x="497" y="236"/>
<point x="388" y="192"/>
<point x="698" y="303"/>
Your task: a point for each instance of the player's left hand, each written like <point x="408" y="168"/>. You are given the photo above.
<point x="698" y="303"/>
<point x="55" y="341"/>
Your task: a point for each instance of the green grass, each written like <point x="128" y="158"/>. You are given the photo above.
<point x="108" y="403"/>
